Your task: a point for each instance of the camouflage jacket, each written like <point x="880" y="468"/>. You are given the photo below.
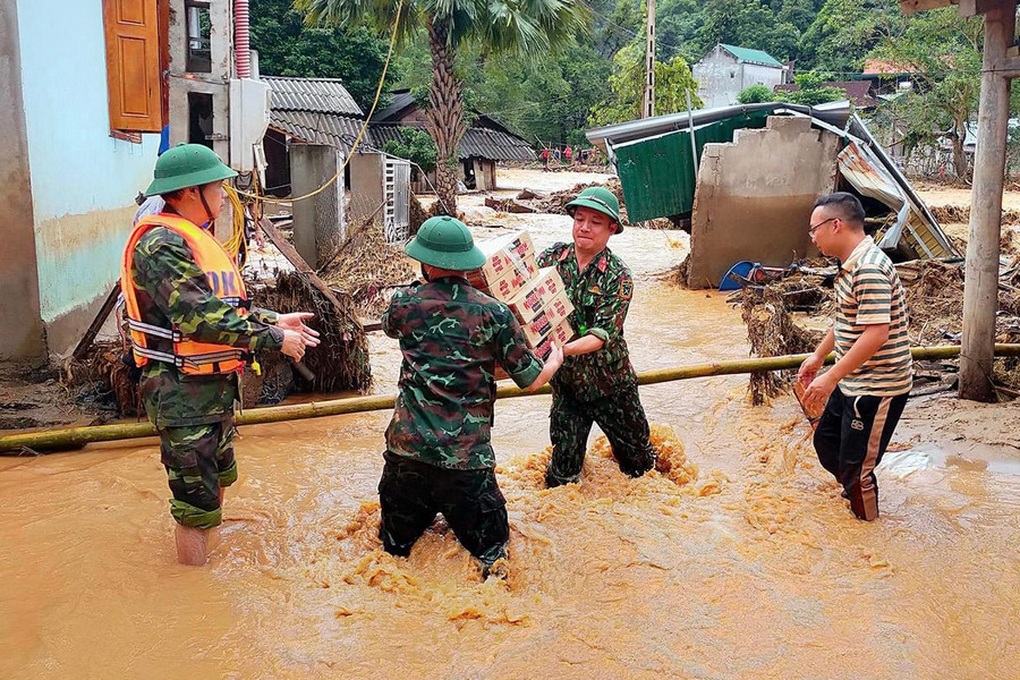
<point x="173" y="291"/>
<point x="452" y="336"/>
<point x="601" y="297"/>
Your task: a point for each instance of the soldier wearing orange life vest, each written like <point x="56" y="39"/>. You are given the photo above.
<point x="191" y="331"/>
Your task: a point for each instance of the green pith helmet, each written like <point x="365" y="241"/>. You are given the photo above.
<point x="187" y="165"/>
<point x="601" y="199"/>
<point x="446" y="243"/>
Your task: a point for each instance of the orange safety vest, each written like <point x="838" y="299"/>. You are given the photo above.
<point x="189" y="356"/>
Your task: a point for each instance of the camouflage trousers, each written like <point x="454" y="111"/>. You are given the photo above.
<point x="411" y="493"/>
<point x="620" y="416"/>
<point x="199" y="459"/>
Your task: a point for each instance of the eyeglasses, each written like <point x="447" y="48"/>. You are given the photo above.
<point x="815" y="227"/>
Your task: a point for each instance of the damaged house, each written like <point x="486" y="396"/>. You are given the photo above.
<point x="747" y="177"/>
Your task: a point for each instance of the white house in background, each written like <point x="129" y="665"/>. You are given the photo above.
<point x="726" y="70"/>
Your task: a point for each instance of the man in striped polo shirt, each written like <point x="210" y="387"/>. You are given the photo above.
<point x="867" y="387"/>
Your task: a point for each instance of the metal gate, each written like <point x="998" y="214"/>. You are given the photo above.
<point x="396" y="192"/>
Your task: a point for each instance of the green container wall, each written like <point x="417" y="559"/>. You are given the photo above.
<point x="657" y="174"/>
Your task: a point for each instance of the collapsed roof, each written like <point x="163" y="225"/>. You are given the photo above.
<point x="653" y="188"/>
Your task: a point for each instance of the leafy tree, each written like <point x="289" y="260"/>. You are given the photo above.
<point x="756" y="94"/>
<point x="673" y="80"/>
<point x="942" y="51"/>
<point x="414" y="145"/>
<point x="496" y="26"/>
<point x="748" y="23"/>
<point x="811" y="90"/>
<point x="844" y="31"/>
<point x="289" y="48"/>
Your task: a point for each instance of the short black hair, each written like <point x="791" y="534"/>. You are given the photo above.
<point x="847" y="206"/>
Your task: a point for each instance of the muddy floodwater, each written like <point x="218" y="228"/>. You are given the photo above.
<point x="739" y="561"/>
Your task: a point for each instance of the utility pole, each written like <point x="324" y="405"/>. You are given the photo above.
<point x="981" y="280"/>
<point x="648" y="100"/>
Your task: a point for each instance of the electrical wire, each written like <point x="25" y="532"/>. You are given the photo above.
<point x="361" y="132"/>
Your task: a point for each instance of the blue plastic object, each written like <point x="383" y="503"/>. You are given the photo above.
<point x="731" y="281"/>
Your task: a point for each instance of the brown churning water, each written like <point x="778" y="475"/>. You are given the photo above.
<point x="736" y="559"/>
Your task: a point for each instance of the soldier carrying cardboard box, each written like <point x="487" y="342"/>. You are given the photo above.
<point x="597" y="382"/>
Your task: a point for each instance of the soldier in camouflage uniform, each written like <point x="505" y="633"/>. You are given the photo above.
<point x="438" y="457"/>
<point x="597" y="382"/>
<point x="194" y="413"/>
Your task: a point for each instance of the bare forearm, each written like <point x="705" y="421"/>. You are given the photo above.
<point x="827" y="344"/>
<point x="584" y="345"/>
<point x="863" y="349"/>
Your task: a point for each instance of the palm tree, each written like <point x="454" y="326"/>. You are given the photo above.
<point x="516" y="26"/>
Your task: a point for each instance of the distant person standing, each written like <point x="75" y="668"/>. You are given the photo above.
<point x="865" y="391"/>
<point x="568" y="155"/>
<point x="438" y="452"/>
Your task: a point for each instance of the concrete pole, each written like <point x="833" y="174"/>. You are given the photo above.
<point x="981" y="289"/>
<point x="648" y="100"/>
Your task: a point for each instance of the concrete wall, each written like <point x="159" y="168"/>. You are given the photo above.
<point x="721" y="77"/>
<point x="83" y="181"/>
<point x="22" y="329"/>
<point x="754" y="197"/>
<point x="319" y="227"/>
<point x="215" y="83"/>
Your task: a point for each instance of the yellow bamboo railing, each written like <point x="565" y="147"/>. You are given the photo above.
<point x="58" y="439"/>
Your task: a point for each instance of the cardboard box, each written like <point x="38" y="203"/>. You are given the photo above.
<point x="562" y="333"/>
<point x="507" y="287"/>
<point x="537" y="294"/>
<point x="547" y="319"/>
<point x="508" y="254"/>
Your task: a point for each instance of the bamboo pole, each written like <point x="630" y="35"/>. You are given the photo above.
<point x="76" y="437"/>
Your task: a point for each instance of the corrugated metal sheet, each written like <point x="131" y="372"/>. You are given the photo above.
<point x="478" y="142"/>
<point x="752" y="55"/>
<point x="320" y="128"/>
<point x="833" y="113"/>
<point x="658" y="175"/>
<point x="911" y="234"/>
<point x="320" y="95"/>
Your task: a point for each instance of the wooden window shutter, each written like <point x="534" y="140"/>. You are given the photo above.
<point x="133" y="65"/>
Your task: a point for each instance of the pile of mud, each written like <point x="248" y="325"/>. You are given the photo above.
<point x="948" y="214"/>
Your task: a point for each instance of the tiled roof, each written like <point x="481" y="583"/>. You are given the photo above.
<point x="478" y="142"/>
<point x="320" y="128"/>
<point x="857" y="91"/>
<point x="753" y="56"/>
<point x="321" y="95"/>
<point x="399" y="100"/>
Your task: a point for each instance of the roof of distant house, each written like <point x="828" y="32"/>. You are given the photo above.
<point x="752" y="56"/>
<point x="880" y="67"/>
<point x="400" y="101"/>
<point x="489" y="143"/>
<point x="857" y="91"/>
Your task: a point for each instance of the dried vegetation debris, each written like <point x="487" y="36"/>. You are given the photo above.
<point x="367" y="268"/>
<point x="934" y="292"/>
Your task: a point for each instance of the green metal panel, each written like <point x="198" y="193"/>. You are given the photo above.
<point x="658" y="175"/>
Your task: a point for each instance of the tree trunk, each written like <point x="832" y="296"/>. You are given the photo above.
<point x="445" y="116"/>
<point x="959" y="156"/>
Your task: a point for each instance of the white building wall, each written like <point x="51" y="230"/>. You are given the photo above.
<point x="83" y="180"/>
<point x="721" y="77"/>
